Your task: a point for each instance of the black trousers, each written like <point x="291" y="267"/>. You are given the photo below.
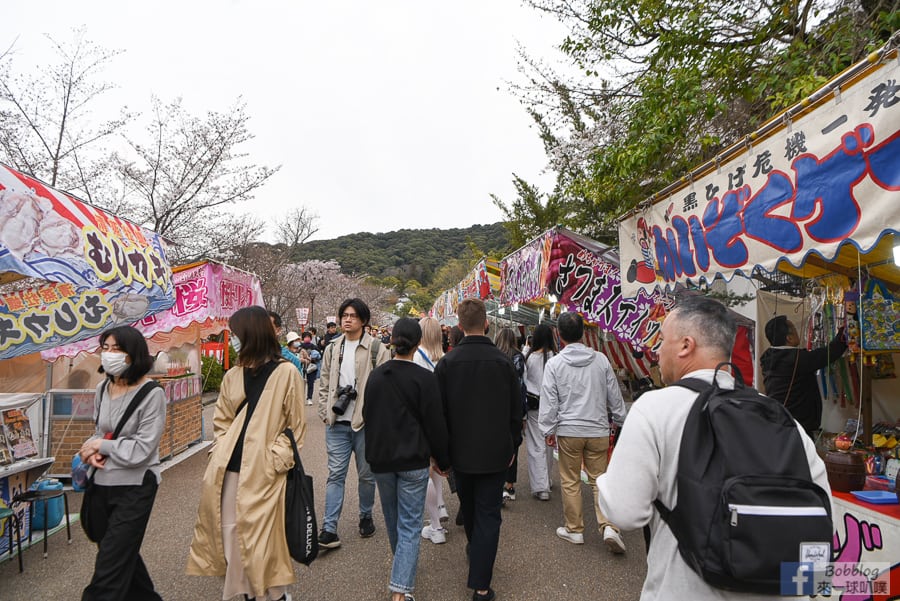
<point x="513" y="470"/>
<point x="310" y="382"/>
<point x="480" y="499"/>
<point x="119" y="571"/>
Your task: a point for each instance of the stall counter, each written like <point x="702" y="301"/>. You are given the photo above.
<point x="867" y="533"/>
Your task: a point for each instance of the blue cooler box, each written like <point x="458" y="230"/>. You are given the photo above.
<point x="55" y="507"/>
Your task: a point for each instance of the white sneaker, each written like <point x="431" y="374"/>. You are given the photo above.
<point x="442" y="511"/>
<point x="576" y="538"/>
<point x="308" y="403"/>
<point x="542" y="495"/>
<point x="436" y="535"/>
<point x="613" y="540"/>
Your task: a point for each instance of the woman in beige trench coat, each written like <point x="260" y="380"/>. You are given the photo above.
<point x="240" y="522"/>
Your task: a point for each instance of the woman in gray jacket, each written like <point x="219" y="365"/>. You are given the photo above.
<point x="127" y="473"/>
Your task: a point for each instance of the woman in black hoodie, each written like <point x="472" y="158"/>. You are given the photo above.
<point x="405" y="429"/>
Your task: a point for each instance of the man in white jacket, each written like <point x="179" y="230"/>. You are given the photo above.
<point x="578" y="393"/>
<point x="696" y="337"/>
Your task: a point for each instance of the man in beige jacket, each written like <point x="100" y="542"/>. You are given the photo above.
<point x="346" y="365"/>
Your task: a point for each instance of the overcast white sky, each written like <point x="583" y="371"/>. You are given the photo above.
<point x="383" y="115"/>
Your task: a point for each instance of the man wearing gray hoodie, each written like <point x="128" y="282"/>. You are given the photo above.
<point x="578" y="393"/>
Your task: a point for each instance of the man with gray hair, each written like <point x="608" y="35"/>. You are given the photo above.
<point x="578" y="393"/>
<point x="696" y="337"/>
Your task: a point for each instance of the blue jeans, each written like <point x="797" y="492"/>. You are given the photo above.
<point x="340" y="441"/>
<point x="403" y="503"/>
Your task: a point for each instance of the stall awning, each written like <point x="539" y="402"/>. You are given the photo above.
<point x="90" y="270"/>
<point x="878" y="263"/>
<point x="820" y="183"/>
<point x="206" y="295"/>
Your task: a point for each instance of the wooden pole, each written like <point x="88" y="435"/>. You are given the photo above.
<point x="865" y="398"/>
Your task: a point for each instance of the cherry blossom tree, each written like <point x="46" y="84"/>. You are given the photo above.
<point x="47" y="126"/>
<point x="186" y="170"/>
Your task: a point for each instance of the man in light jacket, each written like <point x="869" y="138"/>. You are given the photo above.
<point x="348" y="360"/>
<point x="578" y="393"/>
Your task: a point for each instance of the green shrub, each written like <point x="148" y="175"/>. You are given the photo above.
<point x="212" y="374"/>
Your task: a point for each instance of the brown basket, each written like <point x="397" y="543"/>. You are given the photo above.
<point x="846" y="471"/>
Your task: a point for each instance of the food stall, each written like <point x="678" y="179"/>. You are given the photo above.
<point x="483" y="282"/>
<point x="560" y="270"/>
<point x="68" y="270"/>
<point x="207" y="293"/>
<point x="810" y="204"/>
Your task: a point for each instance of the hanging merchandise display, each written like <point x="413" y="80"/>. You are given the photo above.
<point x="879" y="328"/>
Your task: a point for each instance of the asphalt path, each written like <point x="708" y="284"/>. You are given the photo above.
<point x="532" y="562"/>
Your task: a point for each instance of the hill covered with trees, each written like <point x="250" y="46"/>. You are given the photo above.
<point x="406" y="254"/>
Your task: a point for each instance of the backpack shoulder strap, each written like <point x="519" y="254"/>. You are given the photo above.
<point x="695" y="384"/>
<point x="133" y="405"/>
<point x="376" y="345"/>
<point x="670" y="516"/>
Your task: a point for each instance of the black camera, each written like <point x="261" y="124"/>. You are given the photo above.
<point x="345" y="395"/>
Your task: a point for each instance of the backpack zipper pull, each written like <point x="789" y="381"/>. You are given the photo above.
<point x="734" y="514"/>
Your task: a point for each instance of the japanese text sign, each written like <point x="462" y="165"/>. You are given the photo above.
<point x="100" y="270"/>
<point x="829" y="177"/>
<point x="206" y="294"/>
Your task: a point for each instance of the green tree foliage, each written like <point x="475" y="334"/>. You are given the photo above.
<point x="212" y="373"/>
<point x="666" y="84"/>
<point x="406" y="254"/>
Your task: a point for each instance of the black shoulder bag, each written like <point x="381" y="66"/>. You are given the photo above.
<point x="93" y="516"/>
<point x="300" y="511"/>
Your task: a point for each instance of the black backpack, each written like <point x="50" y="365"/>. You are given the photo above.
<point x="746" y="500"/>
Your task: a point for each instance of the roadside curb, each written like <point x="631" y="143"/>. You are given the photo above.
<point x="186" y="454"/>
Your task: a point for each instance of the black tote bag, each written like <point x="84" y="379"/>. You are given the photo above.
<point x="300" y="511"/>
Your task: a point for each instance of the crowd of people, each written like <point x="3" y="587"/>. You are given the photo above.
<point x="426" y="404"/>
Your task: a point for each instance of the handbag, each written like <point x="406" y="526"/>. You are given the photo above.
<point x="532" y="401"/>
<point x="93" y="517"/>
<point x="300" y="511"/>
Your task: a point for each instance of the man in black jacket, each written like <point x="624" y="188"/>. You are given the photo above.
<point x="789" y="372"/>
<point x="482" y="402"/>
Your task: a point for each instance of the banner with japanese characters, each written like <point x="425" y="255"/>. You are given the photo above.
<point x="830" y="177"/>
<point x="52" y="315"/>
<point x="101" y="270"/>
<point x="206" y="295"/>
<point x="581" y="275"/>
<point x="583" y="280"/>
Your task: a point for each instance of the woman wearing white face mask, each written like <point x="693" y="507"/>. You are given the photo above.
<point x="127" y="470"/>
